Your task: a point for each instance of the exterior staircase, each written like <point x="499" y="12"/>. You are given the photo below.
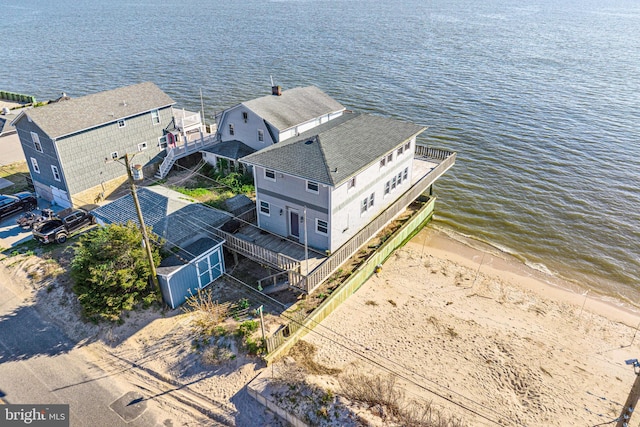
<point x="183" y="150"/>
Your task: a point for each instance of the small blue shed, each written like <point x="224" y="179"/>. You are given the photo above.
<point x="192" y="268"/>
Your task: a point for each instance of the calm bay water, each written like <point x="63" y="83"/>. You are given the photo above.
<point x="541" y="101"/>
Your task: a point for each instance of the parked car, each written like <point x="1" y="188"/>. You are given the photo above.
<point x="16" y="203"/>
<point x="58" y="229"/>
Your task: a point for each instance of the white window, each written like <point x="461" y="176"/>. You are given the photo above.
<point x="155" y="117"/>
<point x="232" y="130"/>
<point x="142" y="146"/>
<point x="406" y="173"/>
<point x="407" y="146"/>
<point x="36" y="141"/>
<point x="269" y="174"/>
<point x="56" y="173"/>
<point x="121" y="123"/>
<point x="162" y="142"/>
<point x="399" y="178"/>
<point x="260" y="135"/>
<point x="265" y="209"/>
<point x="352" y="183"/>
<point x="383" y="162"/>
<point x="312" y="187"/>
<point x="394" y="181"/>
<point x="371" y="200"/>
<point x="114" y="155"/>
<point x="363" y="205"/>
<point x="34" y="163"/>
<point x="400" y="150"/>
<point x="390" y="158"/>
<point x="387" y="187"/>
<point x="322" y="227"/>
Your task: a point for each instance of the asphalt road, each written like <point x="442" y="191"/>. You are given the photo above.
<point x="40" y="365"/>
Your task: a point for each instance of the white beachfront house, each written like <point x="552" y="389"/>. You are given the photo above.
<point x="324" y="185"/>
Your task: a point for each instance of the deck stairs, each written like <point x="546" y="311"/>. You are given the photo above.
<point x="184" y="150"/>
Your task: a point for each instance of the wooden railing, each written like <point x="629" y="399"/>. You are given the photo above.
<point x="180" y="151"/>
<point x="331" y="264"/>
<point x="251" y="250"/>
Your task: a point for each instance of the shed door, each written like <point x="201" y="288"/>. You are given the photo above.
<point x="209" y="268"/>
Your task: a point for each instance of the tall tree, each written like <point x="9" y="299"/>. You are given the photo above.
<point x="111" y="271"/>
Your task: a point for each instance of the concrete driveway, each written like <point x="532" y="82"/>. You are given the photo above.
<point x="12" y="235"/>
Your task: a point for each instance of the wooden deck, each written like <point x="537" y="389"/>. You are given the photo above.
<point x="308" y="269"/>
<point x="281" y="245"/>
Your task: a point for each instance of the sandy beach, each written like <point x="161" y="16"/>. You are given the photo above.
<point x="484" y="338"/>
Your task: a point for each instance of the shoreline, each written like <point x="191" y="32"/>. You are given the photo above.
<point x="484" y="258"/>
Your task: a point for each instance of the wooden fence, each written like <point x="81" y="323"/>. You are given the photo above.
<point x="299" y="325"/>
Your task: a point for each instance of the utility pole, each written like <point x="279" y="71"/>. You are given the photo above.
<point x="630" y="405"/>
<point x="143" y="228"/>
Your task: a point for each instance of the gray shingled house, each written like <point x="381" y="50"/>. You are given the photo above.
<point x="186" y="226"/>
<point x="331" y="181"/>
<point x="70" y="146"/>
<point x="259" y="123"/>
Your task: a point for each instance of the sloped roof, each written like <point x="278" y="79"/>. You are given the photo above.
<point x="230" y="149"/>
<point x="335" y="151"/>
<point x="294" y="106"/>
<point x="186" y="255"/>
<point x="172" y="215"/>
<point x="77" y="114"/>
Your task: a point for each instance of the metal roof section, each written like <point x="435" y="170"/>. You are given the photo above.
<point x="171" y="215"/>
<point x="78" y="114"/>
<point x="294" y="106"/>
<point x="335" y="151"/>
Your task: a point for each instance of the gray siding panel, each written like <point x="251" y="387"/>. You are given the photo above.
<point x="83" y="155"/>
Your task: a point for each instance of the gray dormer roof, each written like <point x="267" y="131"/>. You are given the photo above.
<point x="294" y="106"/>
<point x="337" y="150"/>
<point x="78" y="114"/>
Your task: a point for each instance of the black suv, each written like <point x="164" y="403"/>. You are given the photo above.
<point x="57" y="229"/>
<point x="16" y="203"/>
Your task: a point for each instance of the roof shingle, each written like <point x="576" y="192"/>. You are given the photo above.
<point x="78" y="114"/>
<point x="335" y="151"/>
<point x="294" y="106"/>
